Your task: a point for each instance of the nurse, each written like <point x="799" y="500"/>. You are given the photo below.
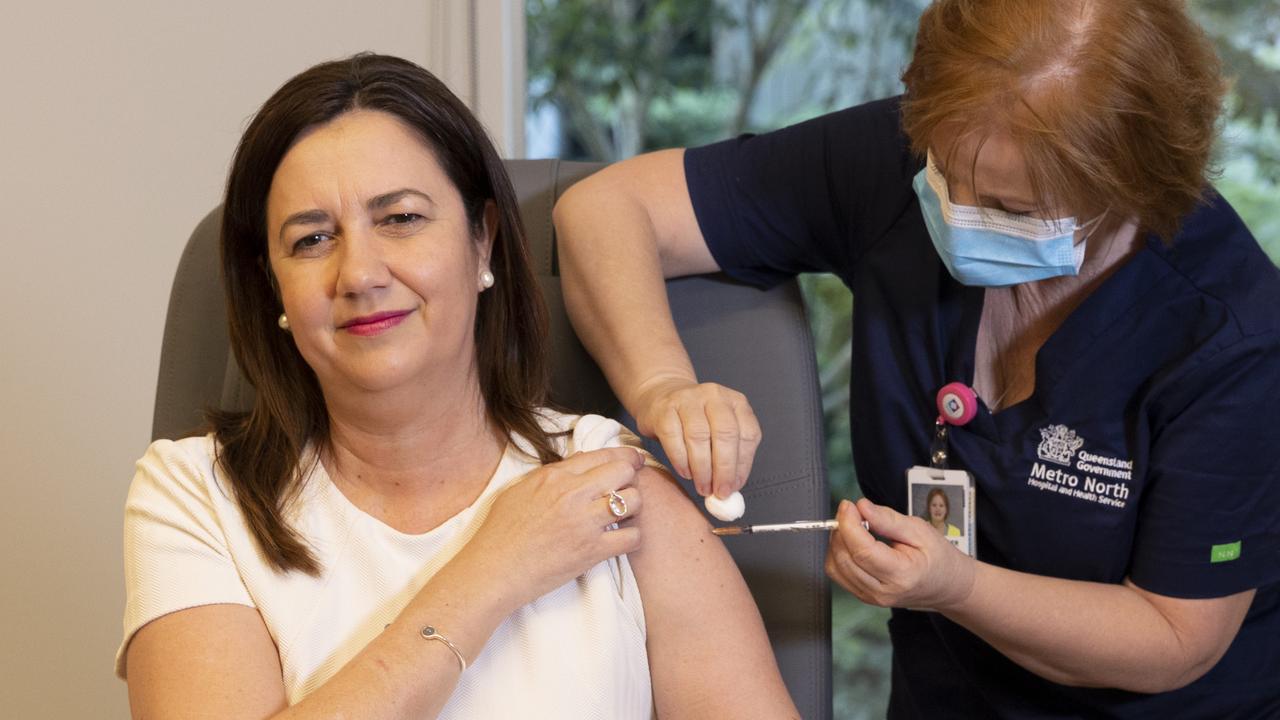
<point x="1031" y="219"/>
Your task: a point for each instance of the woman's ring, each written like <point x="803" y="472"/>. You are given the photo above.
<point x="617" y="504"/>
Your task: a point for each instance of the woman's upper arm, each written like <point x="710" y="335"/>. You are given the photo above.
<point x="193" y="645"/>
<point x="708" y="652"/>
<point x="212" y="661"/>
<point x="176" y="551"/>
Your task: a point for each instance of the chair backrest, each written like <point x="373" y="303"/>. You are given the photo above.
<point x="755" y="341"/>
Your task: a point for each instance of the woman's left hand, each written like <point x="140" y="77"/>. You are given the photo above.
<point x="906" y="564"/>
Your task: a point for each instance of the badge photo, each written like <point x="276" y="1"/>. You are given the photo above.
<point x="944" y="499"/>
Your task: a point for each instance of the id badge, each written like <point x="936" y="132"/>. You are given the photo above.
<point x="944" y="499"/>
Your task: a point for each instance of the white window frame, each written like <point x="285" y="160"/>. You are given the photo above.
<point x="477" y="47"/>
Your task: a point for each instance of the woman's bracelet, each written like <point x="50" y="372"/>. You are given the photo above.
<point x="430" y="633"/>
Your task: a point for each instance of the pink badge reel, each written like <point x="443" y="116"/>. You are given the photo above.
<point x="957" y="404"/>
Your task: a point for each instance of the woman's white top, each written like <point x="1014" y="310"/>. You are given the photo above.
<point x="578" y="651"/>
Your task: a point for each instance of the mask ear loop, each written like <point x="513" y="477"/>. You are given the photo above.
<point x="951" y="214"/>
<point x="1090" y="225"/>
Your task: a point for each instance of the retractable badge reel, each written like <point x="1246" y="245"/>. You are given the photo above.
<point x="941" y="496"/>
<point x="957" y="405"/>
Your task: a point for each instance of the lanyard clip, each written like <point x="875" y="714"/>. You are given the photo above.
<point x="938" y="448"/>
<point x="957" y="405"/>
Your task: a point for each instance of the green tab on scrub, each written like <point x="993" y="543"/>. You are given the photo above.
<point x="1224" y="553"/>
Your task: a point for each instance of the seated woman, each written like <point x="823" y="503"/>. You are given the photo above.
<point x="399" y="528"/>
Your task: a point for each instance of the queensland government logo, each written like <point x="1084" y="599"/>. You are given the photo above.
<point x="1058" y="444"/>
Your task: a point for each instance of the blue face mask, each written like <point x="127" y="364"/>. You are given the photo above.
<point x="994" y="248"/>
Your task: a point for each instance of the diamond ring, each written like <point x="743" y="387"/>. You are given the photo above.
<point x="617" y="504"/>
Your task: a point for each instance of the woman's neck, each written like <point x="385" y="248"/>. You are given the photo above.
<point x="413" y="459"/>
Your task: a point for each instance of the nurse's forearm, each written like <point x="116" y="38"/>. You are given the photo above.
<point x="617" y="302"/>
<point x="1091" y="634"/>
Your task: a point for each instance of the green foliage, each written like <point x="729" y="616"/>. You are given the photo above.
<point x="829" y="306"/>
<point x="605" y="62"/>
<point x="1251" y="178"/>
<point x="861" y="657"/>
<point x="1247" y="36"/>
<point x="690" y="117"/>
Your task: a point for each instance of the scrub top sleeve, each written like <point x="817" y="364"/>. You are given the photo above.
<point x="807" y="198"/>
<point x="1209" y="522"/>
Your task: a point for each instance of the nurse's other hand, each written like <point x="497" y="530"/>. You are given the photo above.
<point x="709" y="432"/>
<point x="910" y="565"/>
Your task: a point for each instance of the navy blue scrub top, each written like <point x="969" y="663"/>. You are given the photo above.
<point x="1148" y="449"/>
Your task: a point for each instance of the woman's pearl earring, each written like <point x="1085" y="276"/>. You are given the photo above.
<point x="283" y="322"/>
<point x="486" y="280"/>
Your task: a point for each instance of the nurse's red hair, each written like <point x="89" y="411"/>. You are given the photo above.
<point x="1114" y="103"/>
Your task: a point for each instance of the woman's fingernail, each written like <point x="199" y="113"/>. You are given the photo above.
<point x="844" y="507"/>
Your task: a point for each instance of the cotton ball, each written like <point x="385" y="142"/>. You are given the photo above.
<point x="727" y="510"/>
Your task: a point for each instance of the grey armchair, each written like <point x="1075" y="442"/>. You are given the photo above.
<point x="757" y="342"/>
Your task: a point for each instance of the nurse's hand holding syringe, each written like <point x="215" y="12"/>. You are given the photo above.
<point x="788" y="527"/>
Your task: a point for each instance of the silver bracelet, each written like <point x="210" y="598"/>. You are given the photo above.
<point x="430" y="633"/>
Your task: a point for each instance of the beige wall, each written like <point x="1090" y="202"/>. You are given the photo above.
<point x="117" y="121"/>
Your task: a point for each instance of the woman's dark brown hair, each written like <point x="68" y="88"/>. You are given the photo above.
<point x="262" y="451"/>
<point x="1114" y="103"/>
